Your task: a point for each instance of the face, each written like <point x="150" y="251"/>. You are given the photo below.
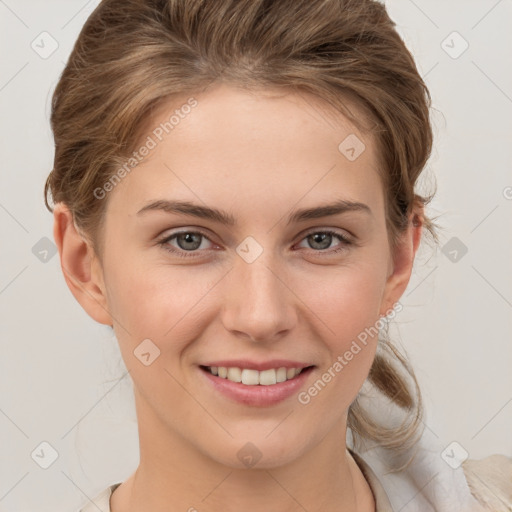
<point x="270" y="286"/>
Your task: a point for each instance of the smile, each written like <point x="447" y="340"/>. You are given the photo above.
<point x="255" y="388"/>
<point x="254" y="377"/>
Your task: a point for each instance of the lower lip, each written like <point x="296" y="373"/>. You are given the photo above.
<point x="258" y="396"/>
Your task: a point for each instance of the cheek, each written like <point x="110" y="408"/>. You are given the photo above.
<point x="348" y="305"/>
<point x="348" y="299"/>
<point x="163" y="302"/>
<point x="165" y="305"/>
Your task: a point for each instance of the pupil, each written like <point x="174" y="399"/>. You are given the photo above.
<point x="320" y="237"/>
<point x="188" y="238"/>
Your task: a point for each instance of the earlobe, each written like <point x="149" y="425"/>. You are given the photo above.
<point x="80" y="267"/>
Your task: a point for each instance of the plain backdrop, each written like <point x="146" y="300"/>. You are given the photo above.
<point x="62" y="379"/>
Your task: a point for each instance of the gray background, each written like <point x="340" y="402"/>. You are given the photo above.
<point x="62" y="378"/>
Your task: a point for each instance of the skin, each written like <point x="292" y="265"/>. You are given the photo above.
<point x="259" y="157"/>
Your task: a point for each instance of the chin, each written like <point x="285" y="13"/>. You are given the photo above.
<point x="258" y="454"/>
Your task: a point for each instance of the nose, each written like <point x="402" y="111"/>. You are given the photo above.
<point x="258" y="304"/>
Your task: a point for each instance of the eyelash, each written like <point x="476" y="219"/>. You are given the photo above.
<point x="346" y="242"/>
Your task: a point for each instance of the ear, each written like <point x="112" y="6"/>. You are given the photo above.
<point x="402" y="262"/>
<point x="80" y="266"/>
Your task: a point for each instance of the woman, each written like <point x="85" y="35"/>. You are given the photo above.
<point x="234" y="195"/>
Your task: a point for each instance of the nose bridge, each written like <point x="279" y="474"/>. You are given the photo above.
<point x="258" y="302"/>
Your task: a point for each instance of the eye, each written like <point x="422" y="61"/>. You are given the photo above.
<point x="187" y="242"/>
<point x="322" y="240"/>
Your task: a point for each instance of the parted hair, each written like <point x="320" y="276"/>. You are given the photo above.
<point x="133" y="56"/>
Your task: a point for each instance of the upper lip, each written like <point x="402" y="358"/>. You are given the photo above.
<point x="255" y="365"/>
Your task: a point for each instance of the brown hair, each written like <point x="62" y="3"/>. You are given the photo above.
<point x="132" y="56"/>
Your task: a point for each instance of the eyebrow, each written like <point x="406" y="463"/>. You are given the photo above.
<point x="216" y="215"/>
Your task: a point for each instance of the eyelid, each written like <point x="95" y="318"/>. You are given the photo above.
<point x="345" y="242"/>
<point x="335" y="231"/>
<point x="197" y="231"/>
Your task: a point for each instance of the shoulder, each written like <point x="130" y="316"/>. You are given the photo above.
<point x="101" y="503"/>
<point x="490" y="481"/>
<point x="474" y="486"/>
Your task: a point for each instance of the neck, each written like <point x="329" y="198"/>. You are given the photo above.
<point x="175" y="475"/>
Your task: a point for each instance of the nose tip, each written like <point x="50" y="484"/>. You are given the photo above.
<point x="259" y="339"/>
<point x="258" y="305"/>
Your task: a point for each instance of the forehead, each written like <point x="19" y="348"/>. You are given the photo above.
<point x="255" y="149"/>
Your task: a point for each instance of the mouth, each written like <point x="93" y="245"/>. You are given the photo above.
<point x="252" y="377"/>
<point x="253" y="388"/>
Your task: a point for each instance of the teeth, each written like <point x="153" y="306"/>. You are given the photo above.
<point x="268" y="377"/>
<point x="254" y="377"/>
<point x="281" y="375"/>
<point x="235" y="374"/>
<point x="250" y="377"/>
